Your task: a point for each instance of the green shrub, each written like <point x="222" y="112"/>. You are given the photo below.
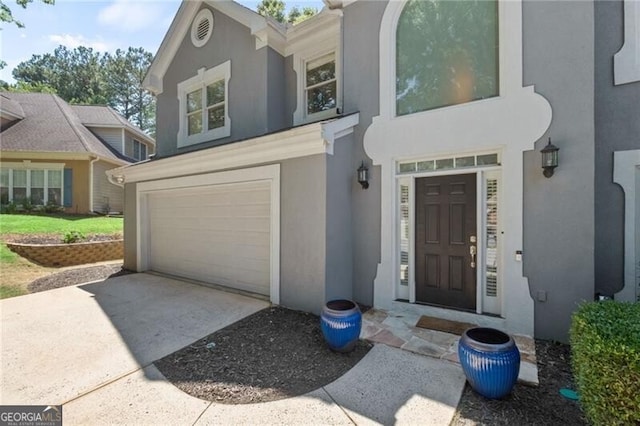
<point x="9" y="208"/>
<point x="605" y="349"/>
<point x="52" y="207"/>
<point x="73" y="237"/>
<point x="27" y="205"/>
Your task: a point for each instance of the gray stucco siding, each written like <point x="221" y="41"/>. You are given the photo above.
<point x="617" y="115"/>
<point x="303" y="233"/>
<point x="276" y="93"/>
<point x="291" y="84"/>
<point x="339" y="249"/>
<point x="361" y="93"/>
<point x="130" y="228"/>
<point x="248" y="90"/>
<point x="558" y="41"/>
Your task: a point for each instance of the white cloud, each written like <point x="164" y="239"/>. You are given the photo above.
<point x="130" y="16"/>
<point x="73" y="41"/>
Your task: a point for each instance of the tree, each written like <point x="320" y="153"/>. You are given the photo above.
<point x="276" y="10"/>
<point x="76" y="75"/>
<point x="125" y="74"/>
<point x="84" y="76"/>
<point x="296" y="16"/>
<point x="7" y="16"/>
<point x="272" y="8"/>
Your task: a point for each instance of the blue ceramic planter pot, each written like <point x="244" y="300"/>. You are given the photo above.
<point x="341" y="321"/>
<point x="491" y="361"/>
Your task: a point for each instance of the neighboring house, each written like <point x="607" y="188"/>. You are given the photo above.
<point x="261" y="129"/>
<point x="53" y="152"/>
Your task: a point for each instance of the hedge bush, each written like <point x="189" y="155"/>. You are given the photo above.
<point x="605" y="349"/>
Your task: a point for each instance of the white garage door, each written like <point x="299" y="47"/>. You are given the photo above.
<point x="218" y="234"/>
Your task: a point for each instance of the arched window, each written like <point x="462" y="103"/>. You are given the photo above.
<point x="446" y="53"/>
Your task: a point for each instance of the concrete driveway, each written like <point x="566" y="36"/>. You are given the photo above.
<point x="60" y="344"/>
<point x="90" y="348"/>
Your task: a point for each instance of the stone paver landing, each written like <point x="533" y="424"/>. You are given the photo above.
<point x="398" y="330"/>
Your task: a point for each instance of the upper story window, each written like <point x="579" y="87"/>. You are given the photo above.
<point x="446" y="54"/>
<point x="204" y="114"/>
<point x="321" y="84"/>
<point x="139" y="150"/>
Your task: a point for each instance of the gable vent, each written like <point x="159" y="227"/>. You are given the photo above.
<point x="201" y="28"/>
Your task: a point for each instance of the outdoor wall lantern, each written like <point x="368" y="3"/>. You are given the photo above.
<point x="363" y="176"/>
<point x="549" y="159"/>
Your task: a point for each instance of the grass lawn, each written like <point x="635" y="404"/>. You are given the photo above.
<point x="16" y="272"/>
<point x="21" y="224"/>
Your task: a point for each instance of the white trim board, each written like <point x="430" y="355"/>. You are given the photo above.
<point x="316" y="138"/>
<point x="511" y="122"/>
<point x="269" y="173"/>
<point x="626" y="63"/>
<point x="626" y="173"/>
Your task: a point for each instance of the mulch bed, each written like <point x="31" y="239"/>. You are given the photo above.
<point x="542" y="405"/>
<point x="76" y="276"/>
<point x="273" y="354"/>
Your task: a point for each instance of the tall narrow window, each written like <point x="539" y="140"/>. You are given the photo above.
<point x="37" y="187"/>
<point x="321" y="84"/>
<point x="194" y="112"/>
<point x="404" y="235"/>
<point x="4" y="186"/>
<point x="54" y="187"/>
<point x="19" y="185"/>
<point x="215" y="105"/>
<point x="446" y="53"/>
<point x="491" y="238"/>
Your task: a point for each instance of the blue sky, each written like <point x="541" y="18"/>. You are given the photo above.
<point x="102" y="25"/>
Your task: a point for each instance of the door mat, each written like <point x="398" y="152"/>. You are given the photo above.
<point x="453" y="327"/>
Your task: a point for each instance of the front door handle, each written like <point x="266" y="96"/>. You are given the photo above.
<point x="472" y="252"/>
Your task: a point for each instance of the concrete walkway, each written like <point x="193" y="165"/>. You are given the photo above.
<point x="91" y="348"/>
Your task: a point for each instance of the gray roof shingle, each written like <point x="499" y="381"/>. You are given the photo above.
<point x="52" y="125"/>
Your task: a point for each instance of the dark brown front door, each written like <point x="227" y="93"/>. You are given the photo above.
<point x="445" y="238"/>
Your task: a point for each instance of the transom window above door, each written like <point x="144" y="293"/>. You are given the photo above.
<point x="446" y="54"/>
<point x="204" y="106"/>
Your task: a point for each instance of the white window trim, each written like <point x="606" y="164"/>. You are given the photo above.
<point x="626" y="173"/>
<point x="200" y="81"/>
<point x="626" y="63"/>
<point x="300" y="115"/>
<point x="511" y="122"/>
<point x="300" y="60"/>
<point x="484" y="304"/>
<point x="54" y="167"/>
<point x="269" y="173"/>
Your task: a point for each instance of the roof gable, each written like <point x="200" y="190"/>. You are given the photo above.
<point x="266" y="30"/>
<point x="105" y="116"/>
